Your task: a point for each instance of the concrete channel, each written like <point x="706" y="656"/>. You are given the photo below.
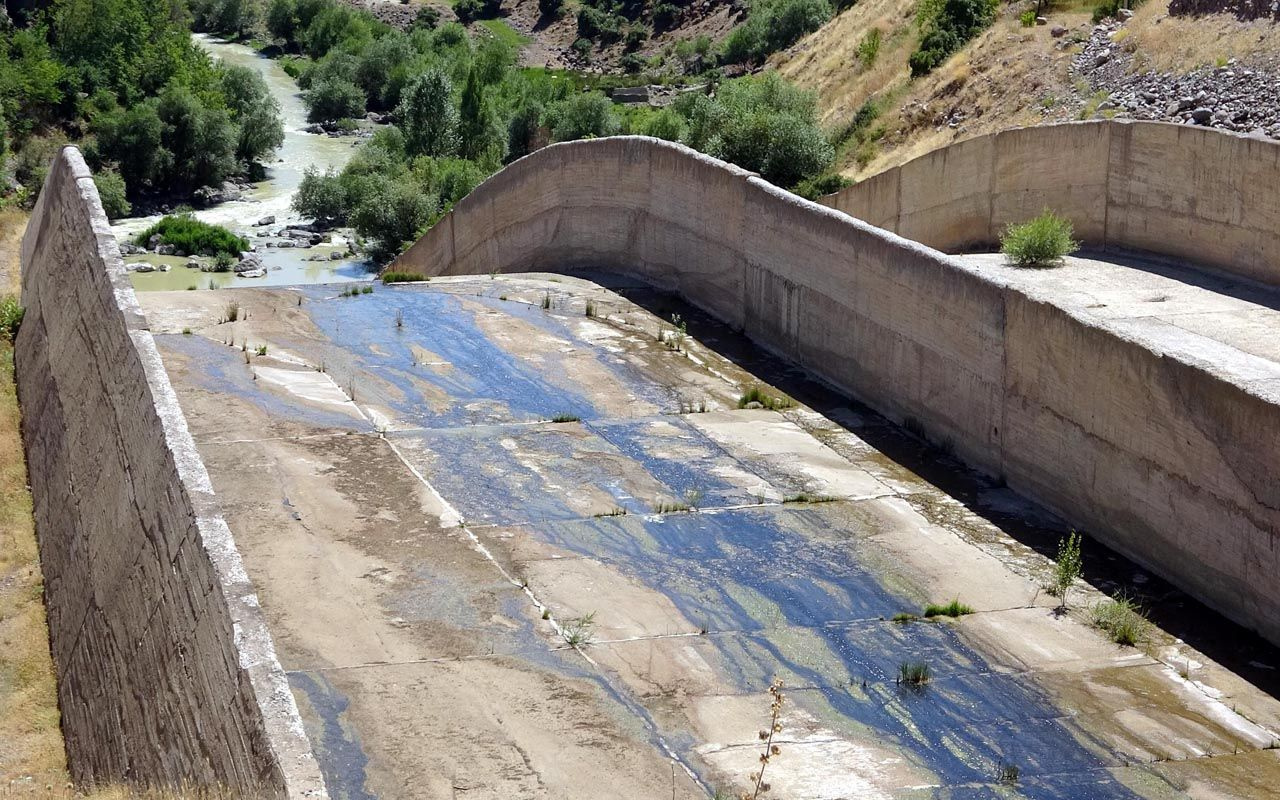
<point x="514" y="537"/>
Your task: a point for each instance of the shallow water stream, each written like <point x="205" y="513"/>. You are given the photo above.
<point x="269" y="197"/>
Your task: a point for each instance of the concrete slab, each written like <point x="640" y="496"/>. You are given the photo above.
<point x="424" y="542"/>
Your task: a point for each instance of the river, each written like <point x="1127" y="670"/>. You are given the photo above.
<point x="270" y="197"/>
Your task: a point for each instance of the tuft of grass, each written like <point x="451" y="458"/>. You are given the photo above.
<point x="591" y="308"/>
<point x="904" y="618"/>
<point x="577" y="632"/>
<point x="546" y="301"/>
<point x="914" y="674"/>
<point x="1122" y="619"/>
<point x="671" y="507"/>
<point x="233" y="311"/>
<point x="1007" y="774"/>
<point x="1040" y="242"/>
<point x="805" y="497"/>
<point x="262" y="350"/>
<point x="757" y="394"/>
<point x="566" y="418"/>
<point x="953" y="609"/>
<point x="394" y="276"/>
<point x="11" y="312"/>
<point x="617" y="511"/>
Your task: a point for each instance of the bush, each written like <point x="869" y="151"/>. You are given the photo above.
<point x="947" y="26"/>
<point x="583" y="116"/>
<point x="1040" y="242"/>
<point x="393" y="276"/>
<point x="665" y="16"/>
<point x="10" y="317"/>
<point x="773" y="26"/>
<point x="869" y="47"/>
<point x="813" y="188"/>
<point x="550" y="8"/>
<point x="191" y="236"/>
<point x="322" y="198"/>
<point x="1122" y="619"/>
<point x="111" y="191"/>
<point x="471" y="10"/>
<point x="333" y="98"/>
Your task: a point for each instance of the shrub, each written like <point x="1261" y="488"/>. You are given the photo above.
<point x="1039" y="242"/>
<point x="869" y="47"/>
<point x="223" y="262"/>
<point x="813" y="188"/>
<point x="111" y="191"/>
<point x="550" y="8"/>
<point x="772" y="26"/>
<point x="665" y="16"/>
<point x="1068" y="567"/>
<point x="321" y="197"/>
<point x="193" y="237"/>
<point x="10" y="317"/>
<point x="1027" y="18"/>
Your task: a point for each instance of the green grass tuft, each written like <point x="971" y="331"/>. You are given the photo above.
<point x="1040" y="242"/>
<point x="953" y="609"/>
<point x="192" y="237"/>
<point x="393" y="276"/>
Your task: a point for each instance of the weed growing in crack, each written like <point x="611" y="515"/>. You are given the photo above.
<point x="186" y="331"/>
<point x="953" y="609"/>
<point x="693" y="497"/>
<point x="546" y="613"/>
<point x="399" y="318"/>
<point x="771" y="750"/>
<point x="1122" y="619"/>
<point x="914" y="675"/>
<point x="577" y="632"/>
<point x="1007" y="774"/>
<point x="262" y="350"/>
<point x="664" y="507"/>
<point x="756" y="397"/>
<point x="805" y="497"/>
<point x="233" y="312"/>
<point x="1068" y="568"/>
<point x="615" y="512"/>
<point x="904" y="618"/>
<point x="546" y="301"/>
<point x="591" y="308"/>
<point x="566" y="418"/>
<point x="679" y="332"/>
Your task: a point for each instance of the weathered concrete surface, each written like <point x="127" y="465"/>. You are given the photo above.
<point x="420" y="534"/>
<point x="166" y="672"/>
<point x="1195" y="194"/>
<point x="1140" y="431"/>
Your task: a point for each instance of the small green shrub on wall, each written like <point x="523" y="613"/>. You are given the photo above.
<point x="1040" y="242"/>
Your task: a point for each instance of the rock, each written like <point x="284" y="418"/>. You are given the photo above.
<point x="254" y="273"/>
<point x="1172" y="108"/>
<point x="165" y="250"/>
<point x="1057" y="31"/>
<point x="754" y="404"/>
<point x="192" y="264"/>
<point x="1202" y="116"/>
<point x="1102" y="58"/>
<point x="285" y="243"/>
<point x="1124" y="13"/>
<point x="1041" y="21"/>
<point x="335" y="256"/>
<point x="267" y="220"/>
<point x="145" y="267"/>
<point x="155" y="241"/>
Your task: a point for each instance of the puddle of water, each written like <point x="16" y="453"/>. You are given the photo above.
<point x="338" y="752"/>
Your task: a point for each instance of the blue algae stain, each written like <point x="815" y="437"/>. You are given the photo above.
<point x="342" y="761"/>
<point x="764" y="573"/>
<point x="220" y="368"/>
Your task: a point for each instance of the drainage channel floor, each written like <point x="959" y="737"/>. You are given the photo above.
<point x="515" y="538"/>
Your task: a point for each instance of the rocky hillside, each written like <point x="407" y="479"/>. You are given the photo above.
<point x="1214" y="69"/>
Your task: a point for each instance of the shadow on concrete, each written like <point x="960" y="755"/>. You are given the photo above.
<point x="1237" y="648"/>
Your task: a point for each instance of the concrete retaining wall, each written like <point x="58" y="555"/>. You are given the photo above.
<point x="1149" y="440"/>
<point x="1186" y="192"/>
<point x="166" y="672"/>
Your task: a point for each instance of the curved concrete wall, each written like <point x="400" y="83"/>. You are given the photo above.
<point x="1148" y="440"/>
<point x="166" y="672"/>
<point x="1187" y="192"/>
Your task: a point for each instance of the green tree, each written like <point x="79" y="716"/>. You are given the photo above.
<point x="394" y="214"/>
<point x="427" y="115"/>
<point x="134" y="140"/>
<point x="282" y="20"/>
<point x="201" y="139"/>
<point x="321" y="197"/>
<point x="333" y="98"/>
<point x="1069" y="567"/>
<point x="111" y="191"/>
<point x="381" y="70"/>
<point x="480" y="137"/>
<point x="259" y="129"/>
<point x="584" y="115"/>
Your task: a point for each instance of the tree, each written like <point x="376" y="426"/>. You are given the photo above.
<point x="111" y="191"/>
<point x="395" y="213"/>
<point x="479" y="136"/>
<point x="201" y="139"/>
<point x="380" y="71"/>
<point x="255" y="112"/>
<point x="427" y="115"/>
<point x="589" y="114"/>
<point x="333" y="98"/>
<point x="134" y="140"/>
<point x="322" y="198"/>
<point x="282" y="20"/>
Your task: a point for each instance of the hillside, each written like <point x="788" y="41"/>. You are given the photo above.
<point x="1216" y="68"/>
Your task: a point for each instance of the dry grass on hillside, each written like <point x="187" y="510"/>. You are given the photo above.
<point x="1008" y="77"/>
